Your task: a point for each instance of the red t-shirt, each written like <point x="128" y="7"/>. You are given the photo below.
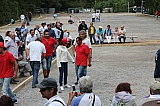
<point x="82" y="53"/>
<point x="49" y="45"/>
<point x="6" y="65"/>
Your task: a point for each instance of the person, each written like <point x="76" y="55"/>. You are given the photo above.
<point x="31" y="37"/>
<point x="38" y="32"/>
<point x="51" y="31"/>
<point x="1" y="39"/>
<point x="7" y="36"/>
<point x="22" y="17"/>
<point x="48" y="42"/>
<point x="100" y="33"/>
<point x="122" y="34"/>
<point x="85" y="40"/>
<point x="55" y="16"/>
<point x="123" y="95"/>
<point x="12" y="21"/>
<point x="87" y="97"/>
<point x="91" y="33"/>
<point x="30" y="16"/>
<point x="69" y="38"/>
<point x="115" y="35"/>
<point x="93" y="17"/>
<point x="24" y="32"/>
<point x="43" y="27"/>
<point x="7" y="62"/>
<point x="58" y="32"/>
<point x="12" y="47"/>
<point x="48" y="89"/>
<point x="70" y="20"/>
<point x="156" y="14"/>
<point x="27" y="18"/>
<point x="108" y="33"/>
<point x="82" y="26"/>
<point x="6" y="101"/>
<point x="98" y="16"/>
<point x="157" y="66"/>
<point x="62" y="62"/>
<point x="35" y="52"/>
<point x="154" y="94"/>
<point x="22" y="63"/>
<point x="83" y="58"/>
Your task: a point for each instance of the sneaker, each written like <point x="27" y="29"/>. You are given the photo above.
<point x="14" y="101"/>
<point x="67" y="86"/>
<point x="61" y="88"/>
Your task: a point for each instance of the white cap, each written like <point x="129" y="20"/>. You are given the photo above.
<point x="83" y="20"/>
<point x="100" y="27"/>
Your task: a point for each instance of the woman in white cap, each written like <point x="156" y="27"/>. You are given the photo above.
<point x="62" y="62"/>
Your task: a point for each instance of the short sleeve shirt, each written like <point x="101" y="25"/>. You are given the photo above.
<point x="36" y="49"/>
<point x="49" y="45"/>
<point x="82" y="53"/>
<point x="85" y="41"/>
<point x="6" y="65"/>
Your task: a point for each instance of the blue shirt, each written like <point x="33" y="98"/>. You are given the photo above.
<point x="52" y="33"/>
<point x="76" y="100"/>
<point x="100" y="31"/>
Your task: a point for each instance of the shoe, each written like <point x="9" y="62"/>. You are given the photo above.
<point x="61" y="88"/>
<point x="15" y="80"/>
<point x="67" y="86"/>
<point x="33" y="86"/>
<point x="76" y="83"/>
<point x="22" y="75"/>
<point x="14" y="101"/>
<point x="12" y="82"/>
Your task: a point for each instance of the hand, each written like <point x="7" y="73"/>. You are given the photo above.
<point x="72" y="94"/>
<point x="15" y="76"/>
<point x="89" y="64"/>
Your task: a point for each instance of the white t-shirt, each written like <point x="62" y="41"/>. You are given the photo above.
<point x="22" y="16"/>
<point x="42" y="29"/>
<point x="93" y="15"/>
<point x="122" y="31"/>
<point x="29" y="38"/>
<point x="85" y="41"/>
<point x="36" y="49"/>
<point x="51" y="101"/>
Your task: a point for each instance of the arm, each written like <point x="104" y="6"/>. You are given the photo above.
<point x="70" y="57"/>
<point x="71" y="96"/>
<point x="58" y="57"/>
<point x="16" y="69"/>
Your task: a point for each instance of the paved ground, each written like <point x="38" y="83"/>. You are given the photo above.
<point x="111" y="64"/>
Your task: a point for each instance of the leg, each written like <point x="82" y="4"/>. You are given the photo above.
<point x="44" y="67"/>
<point x="124" y="39"/>
<point x="76" y="68"/>
<point x="35" y="70"/>
<point x="81" y="72"/>
<point x="61" y="69"/>
<point x="90" y="38"/>
<point x="119" y="39"/>
<point x="65" y="73"/>
<point x="94" y="39"/>
<point x="49" y="61"/>
<point x="6" y="88"/>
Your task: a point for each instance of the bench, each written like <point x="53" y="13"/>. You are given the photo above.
<point x="132" y="37"/>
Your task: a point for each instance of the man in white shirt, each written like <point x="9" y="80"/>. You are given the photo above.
<point x="22" y="17"/>
<point x="38" y="32"/>
<point x="122" y="34"/>
<point x="35" y="52"/>
<point x="44" y="27"/>
<point x="31" y="37"/>
<point x="93" y="17"/>
<point x="48" y="89"/>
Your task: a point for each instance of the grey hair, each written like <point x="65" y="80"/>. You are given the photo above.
<point x="84" y="32"/>
<point x="86" y="84"/>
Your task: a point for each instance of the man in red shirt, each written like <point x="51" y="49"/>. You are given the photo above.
<point x="82" y="58"/>
<point x="7" y="62"/>
<point x="49" y="43"/>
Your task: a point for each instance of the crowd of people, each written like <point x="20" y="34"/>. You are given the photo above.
<point x="28" y="49"/>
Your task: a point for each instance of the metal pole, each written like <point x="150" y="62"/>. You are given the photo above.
<point x="142" y="6"/>
<point x="128" y="7"/>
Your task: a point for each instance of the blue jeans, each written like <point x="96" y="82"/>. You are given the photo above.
<point x="100" y="39"/>
<point x="63" y="69"/>
<point x="81" y="71"/>
<point x="35" y="65"/>
<point x="46" y="63"/>
<point x="92" y="36"/>
<point x="6" y="88"/>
